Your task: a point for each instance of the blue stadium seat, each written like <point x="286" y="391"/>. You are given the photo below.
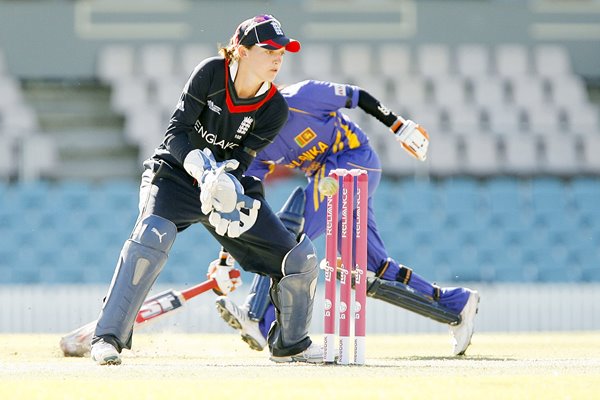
<point x="591" y="274"/>
<point x="548" y="195"/>
<point x="585" y="194"/>
<point x="554" y="264"/>
<point x="22" y="274"/>
<point x="74" y="195"/>
<point x="116" y="196"/>
<point x="28" y="195"/>
<point x="458" y="193"/>
<point x="503" y="195"/>
<point x="422" y="262"/>
<point x="64" y="275"/>
<point x="460" y="229"/>
<point x="414" y="196"/>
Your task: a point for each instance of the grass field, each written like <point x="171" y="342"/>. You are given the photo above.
<point x="171" y="366"/>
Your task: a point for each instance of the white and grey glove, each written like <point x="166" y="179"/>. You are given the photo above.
<point x="238" y="221"/>
<point x="219" y="270"/>
<point x="413" y="138"/>
<point x="197" y="161"/>
<point x="219" y="190"/>
<point x="222" y="196"/>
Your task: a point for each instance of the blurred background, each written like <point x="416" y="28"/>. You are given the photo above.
<point x="508" y="201"/>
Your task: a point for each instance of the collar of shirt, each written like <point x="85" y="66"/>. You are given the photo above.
<point x="233" y="68"/>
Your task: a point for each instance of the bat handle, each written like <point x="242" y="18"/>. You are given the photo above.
<point x="223" y="256"/>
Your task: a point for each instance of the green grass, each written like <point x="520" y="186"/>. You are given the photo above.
<point x="171" y="366"/>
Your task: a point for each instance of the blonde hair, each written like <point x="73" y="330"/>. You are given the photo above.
<point x="230" y="52"/>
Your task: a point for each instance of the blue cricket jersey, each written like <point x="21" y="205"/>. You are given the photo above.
<point x="315" y="129"/>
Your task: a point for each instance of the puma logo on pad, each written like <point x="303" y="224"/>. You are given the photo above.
<point x="158" y="234"/>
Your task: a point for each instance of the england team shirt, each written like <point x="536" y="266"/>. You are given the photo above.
<point x="210" y="115"/>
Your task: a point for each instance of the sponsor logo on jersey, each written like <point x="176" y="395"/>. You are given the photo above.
<point x="244" y="126"/>
<point x="213" y="139"/>
<point x="212" y="106"/>
<point x="305" y="137"/>
<point x="339" y="90"/>
<point x="309" y="155"/>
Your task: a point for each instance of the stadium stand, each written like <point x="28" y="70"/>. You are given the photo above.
<point x="509" y="193"/>
<point x="472" y="89"/>
<point x="499" y="229"/>
<point x="25" y="153"/>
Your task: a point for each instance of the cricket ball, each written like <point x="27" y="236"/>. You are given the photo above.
<point x="328" y="186"/>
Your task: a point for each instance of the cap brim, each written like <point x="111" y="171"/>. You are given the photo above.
<point x="291" y="45"/>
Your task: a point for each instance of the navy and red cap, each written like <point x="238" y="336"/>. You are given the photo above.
<point x="264" y="31"/>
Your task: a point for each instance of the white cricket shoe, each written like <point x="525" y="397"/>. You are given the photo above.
<point x="313" y="355"/>
<point x="462" y="333"/>
<point x="105" y="353"/>
<point x="237" y="318"/>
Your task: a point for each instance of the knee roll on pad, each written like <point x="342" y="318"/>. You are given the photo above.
<point x="155" y="232"/>
<point x="292" y="217"/>
<point x="141" y="260"/>
<point x="293" y="296"/>
<point x="302" y="258"/>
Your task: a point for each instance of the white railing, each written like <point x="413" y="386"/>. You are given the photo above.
<point x="503" y="308"/>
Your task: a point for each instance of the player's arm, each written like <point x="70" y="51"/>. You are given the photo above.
<point x="413" y="137"/>
<point x="260" y="168"/>
<point x="190" y="105"/>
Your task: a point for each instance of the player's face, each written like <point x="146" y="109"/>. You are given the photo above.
<point x="265" y="63"/>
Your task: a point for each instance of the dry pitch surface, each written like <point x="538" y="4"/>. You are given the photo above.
<point x="171" y="366"/>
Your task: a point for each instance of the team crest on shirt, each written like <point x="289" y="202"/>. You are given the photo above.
<point x="244" y="126"/>
<point x="305" y="137"/>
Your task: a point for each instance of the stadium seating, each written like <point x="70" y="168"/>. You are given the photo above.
<point x="468" y="90"/>
<point x="509" y="192"/>
<point x="455" y="229"/>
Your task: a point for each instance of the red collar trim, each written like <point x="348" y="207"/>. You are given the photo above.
<point x="247" y="107"/>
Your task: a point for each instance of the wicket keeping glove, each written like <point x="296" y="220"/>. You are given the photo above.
<point x="218" y="190"/>
<point x="412" y="136"/>
<point x="199" y="161"/>
<point x="238" y="221"/>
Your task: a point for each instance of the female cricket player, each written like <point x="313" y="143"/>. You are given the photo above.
<point x="228" y="112"/>
<point x="316" y="139"/>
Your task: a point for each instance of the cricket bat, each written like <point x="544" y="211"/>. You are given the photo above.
<point x="77" y="343"/>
